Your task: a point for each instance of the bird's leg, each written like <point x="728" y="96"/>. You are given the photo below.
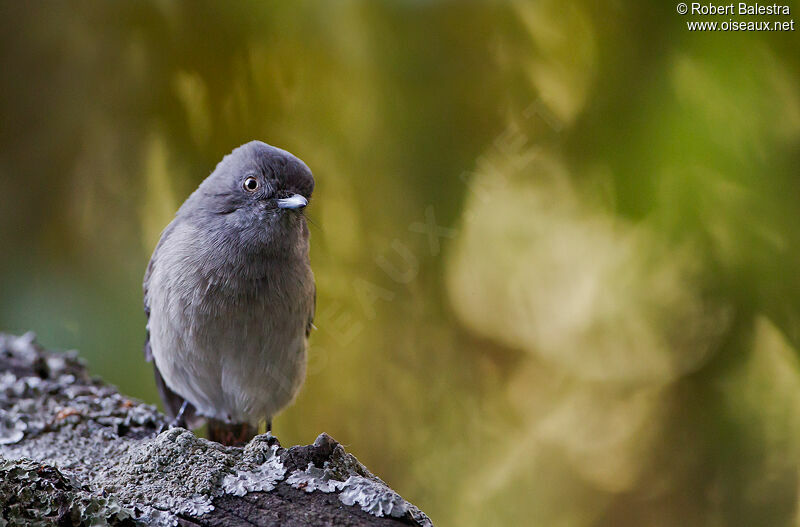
<point x="178" y="421"/>
<point x="269" y="425"/>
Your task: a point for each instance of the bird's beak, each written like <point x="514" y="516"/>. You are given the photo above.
<point x="296" y="201"/>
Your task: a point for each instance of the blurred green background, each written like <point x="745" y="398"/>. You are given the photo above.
<point x="556" y="244"/>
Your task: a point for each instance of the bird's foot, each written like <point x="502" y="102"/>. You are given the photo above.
<point x="231" y="434"/>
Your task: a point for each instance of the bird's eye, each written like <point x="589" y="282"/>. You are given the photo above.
<point x="250" y="184"/>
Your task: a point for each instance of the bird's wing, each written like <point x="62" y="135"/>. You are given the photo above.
<point x="172" y="401"/>
<point x="148" y="352"/>
<point x="310" y="323"/>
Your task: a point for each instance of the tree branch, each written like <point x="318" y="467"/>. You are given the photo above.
<point x="73" y="451"/>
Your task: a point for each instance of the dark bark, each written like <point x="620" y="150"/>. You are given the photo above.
<point x="73" y="451"/>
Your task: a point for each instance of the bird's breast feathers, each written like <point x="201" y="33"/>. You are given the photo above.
<point x="232" y="344"/>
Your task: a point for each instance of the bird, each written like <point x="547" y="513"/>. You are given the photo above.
<point x="229" y="295"/>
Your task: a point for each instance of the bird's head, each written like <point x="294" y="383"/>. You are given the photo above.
<point x="258" y="193"/>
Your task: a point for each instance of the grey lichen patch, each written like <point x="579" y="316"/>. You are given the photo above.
<point x="175" y="472"/>
<point x="314" y="478"/>
<point x="260" y="468"/>
<point x="373" y="497"/>
<point x="12" y="429"/>
<point x="343" y="473"/>
<point x="42" y="392"/>
<point x="38" y="495"/>
<point x="182" y="473"/>
<point x="66" y="419"/>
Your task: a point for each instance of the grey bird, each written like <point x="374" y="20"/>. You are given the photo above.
<point x="229" y="295"/>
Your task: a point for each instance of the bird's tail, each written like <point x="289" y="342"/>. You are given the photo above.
<point x="231" y="434"/>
